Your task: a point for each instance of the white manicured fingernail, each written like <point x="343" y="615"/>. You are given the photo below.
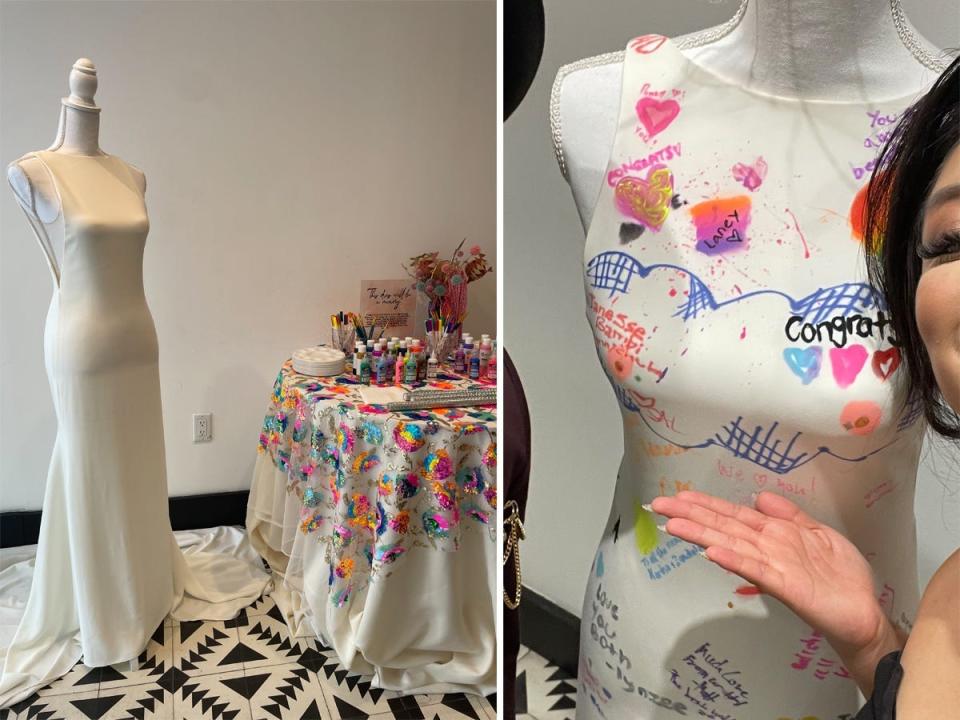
<point x="662" y="528"/>
<point x="647" y="507"/>
<point x="703" y="554"/>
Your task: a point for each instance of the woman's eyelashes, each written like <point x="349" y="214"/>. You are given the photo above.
<point x="942" y="248"/>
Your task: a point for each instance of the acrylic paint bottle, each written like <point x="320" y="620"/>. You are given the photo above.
<point x="475" y="366"/>
<point x="458" y="360"/>
<point x="484" y="356"/>
<point x="467" y="353"/>
<point x="363" y="363"/>
<point x="421" y="362"/>
<point x="383" y="368"/>
<point x="398" y="370"/>
<point x="391" y="359"/>
<point x="355" y="365"/>
<point x="492" y="365"/>
<point x="433" y="367"/>
<point x="410" y="367"/>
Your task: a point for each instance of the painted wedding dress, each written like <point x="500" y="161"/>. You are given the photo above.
<point x="726" y="292"/>
<point x="108" y="568"/>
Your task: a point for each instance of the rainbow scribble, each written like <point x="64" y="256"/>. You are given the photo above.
<point x="722" y="224"/>
<point x="858" y="216"/>
<point x="645" y="530"/>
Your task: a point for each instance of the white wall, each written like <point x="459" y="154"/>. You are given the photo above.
<point x="291" y="149"/>
<point x="571" y="489"/>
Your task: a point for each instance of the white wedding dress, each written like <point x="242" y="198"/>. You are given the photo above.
<point x="108" y="569"/>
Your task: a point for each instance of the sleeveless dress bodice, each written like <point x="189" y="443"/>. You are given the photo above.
<point x="726" y="290"/>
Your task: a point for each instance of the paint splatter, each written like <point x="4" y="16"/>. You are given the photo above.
<point x="619" y="362"/>
<point x="858" y="213"/>
<point x="645" y="530"/>
<point x="599" y="565"/>
<point x="803" y="238"/>
<point x="847" y="363"/>
<point x="630" y="232"/>
<point x="861" y="417"/>
<point x="750" y="176"/>
<point x="743" y="332"/>
<point x="748" y="590"/>
<point x="721" y="224"/>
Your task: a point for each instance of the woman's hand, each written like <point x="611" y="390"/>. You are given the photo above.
<point x="808" y="566"/>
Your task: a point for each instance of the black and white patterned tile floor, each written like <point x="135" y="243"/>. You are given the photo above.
<point x="247" y="668"/>
<point x="544" y="691"/>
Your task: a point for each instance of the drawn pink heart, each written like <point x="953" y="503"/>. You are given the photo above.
<point x="847" y="363"/>
<point x="656" y="114"/>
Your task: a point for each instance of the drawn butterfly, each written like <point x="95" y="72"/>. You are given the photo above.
<point x="750" y="176"/>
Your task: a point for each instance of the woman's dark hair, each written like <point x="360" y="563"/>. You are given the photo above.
<point x="905" y="173"/>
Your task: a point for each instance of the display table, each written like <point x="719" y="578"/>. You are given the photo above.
<point x="380" y="528"/>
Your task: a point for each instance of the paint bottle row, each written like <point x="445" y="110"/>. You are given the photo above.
<point x="407" y="361"/>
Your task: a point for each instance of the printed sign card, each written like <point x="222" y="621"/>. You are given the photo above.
<point x="391" y="305"/>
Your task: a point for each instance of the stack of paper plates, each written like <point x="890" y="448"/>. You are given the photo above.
<point x="318" y="361"/>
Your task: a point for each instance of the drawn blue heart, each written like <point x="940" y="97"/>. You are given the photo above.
<point x="804" y="363"/>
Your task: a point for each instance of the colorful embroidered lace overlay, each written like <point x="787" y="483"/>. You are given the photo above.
<point x="373" y="485"/>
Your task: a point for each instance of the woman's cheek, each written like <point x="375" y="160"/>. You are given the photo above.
<point x="938" y="320"/>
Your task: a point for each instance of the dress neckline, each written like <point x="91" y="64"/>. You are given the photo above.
<point x="716" y="79"/>
<point x="101" y="154"/>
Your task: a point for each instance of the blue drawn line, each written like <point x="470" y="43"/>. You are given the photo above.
<point x="613" y="271"/>
<point x="913" y="411"/>
<point x="758" y="447"/>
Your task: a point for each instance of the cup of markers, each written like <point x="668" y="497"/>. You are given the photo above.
<point x="342" y="332"/>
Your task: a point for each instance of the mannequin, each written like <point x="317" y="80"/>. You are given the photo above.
<point x="819" y="63"/>
<point x="108" y="568"/>
<point x="78" y="133"/>
<point x="730" y="210"/>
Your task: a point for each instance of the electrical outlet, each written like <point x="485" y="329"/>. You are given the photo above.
<point x="202" y="427"/>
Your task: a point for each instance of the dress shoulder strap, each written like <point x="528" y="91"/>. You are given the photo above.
<point x="653" y="83"/>
<point x="36" y="224"/>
